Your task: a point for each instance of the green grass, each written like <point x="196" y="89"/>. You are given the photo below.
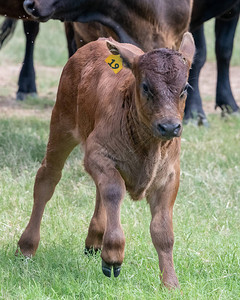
<point x="36" y="102"/>
<point x="206" y="222"/>
<point x="50" y="46"/>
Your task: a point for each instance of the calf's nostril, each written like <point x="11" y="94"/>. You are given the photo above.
<point x="162" y="128"/>
<point x="177" y="129"/>
<point x="169" y="129"/>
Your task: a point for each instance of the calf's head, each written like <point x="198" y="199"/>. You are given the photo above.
<point x="161" y="85"/>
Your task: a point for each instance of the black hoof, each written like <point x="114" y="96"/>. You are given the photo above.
<point x="116" y="270"/>
<point x="90" y="251"/>
<point x="21" y="96"/>
<point x="197" y="120"/>
<point x="106" y="268"/>
<point x="227" y="110"/>
<point x="203" y="122"/>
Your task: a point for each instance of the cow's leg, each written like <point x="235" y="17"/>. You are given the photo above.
<point x="111" y="188"/>
<point x="161" y="204"/>
<point x="97" y="226"/>
<point x="6" y="30"/>
<point x="225" y="31"/>
<point x="69" y="31"/>
<point x="26" y="81"/>
<point x="60" y="145"/>
<point x="193" y="108"/>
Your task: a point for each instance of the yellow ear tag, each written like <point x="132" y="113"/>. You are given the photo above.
<point x="115" y="63"/>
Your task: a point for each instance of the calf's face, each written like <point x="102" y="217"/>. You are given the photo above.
<point x="161" y="85"/>
<point x="161" y="81"/>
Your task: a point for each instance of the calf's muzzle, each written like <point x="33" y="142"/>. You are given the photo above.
<point x="169" y="130"/>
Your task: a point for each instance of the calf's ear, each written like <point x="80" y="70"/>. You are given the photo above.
<point x="187" y="47"/>
<point x="126" y="54"/>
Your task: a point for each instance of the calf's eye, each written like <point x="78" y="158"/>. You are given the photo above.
<point x="146" y="91"/>
<point x="184" y="91"/>
<point x="145" y="88"/>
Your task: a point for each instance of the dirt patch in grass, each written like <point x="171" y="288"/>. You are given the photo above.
<point x="208" y="79"/>
<point x="47" y="82"/>
<point x="9" y="107"/>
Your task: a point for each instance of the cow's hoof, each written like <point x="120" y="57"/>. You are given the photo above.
<point x="18" y="253"/>
<point x="116" y="270"/>
<point x="197" y="122"/>
<point x="24" y="256"/>
<point x="21" y="96"/>
<point x="90" y="251"/>
<point x="203" y="122"/>
<point x="227" y="112"/>
<point x="197" y="119"/>
<point x="107" y="269"/>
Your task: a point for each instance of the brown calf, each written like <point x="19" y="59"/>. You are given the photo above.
<point x="129" y="124"/>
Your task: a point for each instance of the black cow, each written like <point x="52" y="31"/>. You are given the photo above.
<point x="148" y="24"/>
<point x="26" y="81"/>
<point x="203" y="10"/>
<point x="14" y="9"/>
<point x="225" y="27"/>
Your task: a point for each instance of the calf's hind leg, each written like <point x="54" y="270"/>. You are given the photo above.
<point x="59" y="147"/>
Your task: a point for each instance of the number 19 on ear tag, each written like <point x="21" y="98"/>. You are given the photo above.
<point x="115" y="63"/>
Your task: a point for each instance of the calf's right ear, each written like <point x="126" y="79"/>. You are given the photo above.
<point x="187" y="47"/>
<point x="126" y="54"/>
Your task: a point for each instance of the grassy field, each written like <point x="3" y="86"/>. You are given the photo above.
<point x="206" y="213"/>
<point x="206" y="222"/>
<point x="51" y="45"/>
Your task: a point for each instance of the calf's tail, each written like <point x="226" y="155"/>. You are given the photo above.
<point x="6" y="30"/>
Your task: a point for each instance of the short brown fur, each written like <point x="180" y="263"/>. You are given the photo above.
<point x="129" y="125"/>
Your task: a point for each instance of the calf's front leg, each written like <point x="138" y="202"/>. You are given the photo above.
<point x="161" y="204"/>
<point x="111" y="189"/>
<point x="97" y="227"/>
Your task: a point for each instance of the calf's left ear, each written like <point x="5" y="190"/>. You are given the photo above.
<point x="187" y="47"/>
<point x="126" y="54"/>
